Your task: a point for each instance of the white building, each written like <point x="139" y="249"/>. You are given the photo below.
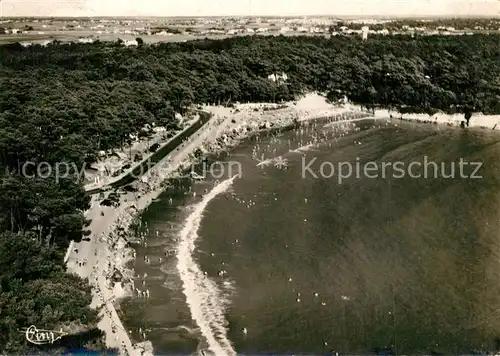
<point x="129" y="43"/>
<point x="364" y="32"/>
<point x="316" y="30"/>
<point x="179" y="118"/>
<point x="85" y="40"/>
<point x="278" y="77"/>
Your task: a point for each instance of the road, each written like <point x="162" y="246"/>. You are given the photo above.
<point x="149" y="162"/>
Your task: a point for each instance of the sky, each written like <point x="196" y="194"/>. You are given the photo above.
<point x="249" y="7"/>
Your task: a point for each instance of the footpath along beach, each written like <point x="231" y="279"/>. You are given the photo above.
<point x="104" y="259"/>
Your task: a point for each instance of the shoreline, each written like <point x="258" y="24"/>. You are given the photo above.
<point x="224" y="131"/>
<point x="108" y="254"/>
<point x="113" y="253"/>
<point x="478" y="120"/>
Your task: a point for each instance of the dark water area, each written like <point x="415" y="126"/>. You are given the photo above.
<point x="315" y="265"/>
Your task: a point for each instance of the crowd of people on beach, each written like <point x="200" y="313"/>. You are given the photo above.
<point x="112" y="258"/>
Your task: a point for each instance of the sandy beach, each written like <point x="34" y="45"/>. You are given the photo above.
<point x="107" y="254"/>
<point x="478" y="120"/>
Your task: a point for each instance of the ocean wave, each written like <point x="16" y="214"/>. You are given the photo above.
<point x="302" y="149"/>
<point x="206" y="302"/>
<point x="266" y="162"/>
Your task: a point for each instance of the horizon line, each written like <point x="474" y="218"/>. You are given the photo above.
<point x="444" y="16"/>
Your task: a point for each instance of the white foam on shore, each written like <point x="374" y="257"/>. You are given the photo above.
<point x="202" y="294"/>
<point x="266" y="162"/>
<point x="305" y="148"/>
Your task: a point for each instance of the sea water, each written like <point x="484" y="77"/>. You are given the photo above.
<point x="276" y="261"/>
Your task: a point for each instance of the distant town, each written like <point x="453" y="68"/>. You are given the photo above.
<point x="87" y="30"/>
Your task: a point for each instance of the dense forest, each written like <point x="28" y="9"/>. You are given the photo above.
<point x="65" y="102"/>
